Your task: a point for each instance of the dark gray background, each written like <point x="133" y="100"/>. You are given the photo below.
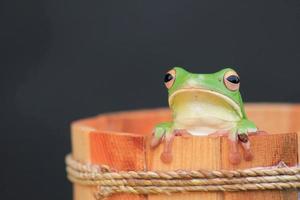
<point x="67" y="59"/>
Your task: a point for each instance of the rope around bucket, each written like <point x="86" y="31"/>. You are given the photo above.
<point x="110" y="181"/>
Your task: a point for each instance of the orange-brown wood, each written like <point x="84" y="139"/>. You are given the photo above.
<point x="81" y="152"/>
<point x="121" y="140"/>
<point x="191" y="154"/>
<point x="120" y="152"/>
<point x="275" y="118"/>
<point x="269" y="150"/>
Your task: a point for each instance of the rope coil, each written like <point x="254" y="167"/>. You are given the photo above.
<point x="110" y="181"/>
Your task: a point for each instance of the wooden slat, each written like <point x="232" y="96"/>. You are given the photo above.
<point x="103" y="140"/>
<point x="81" y="152"/>
<point x="120" y="152"/>
<point x="268" y="150"/>
<point x="117" y="150"/>
<point x="191" y="154"/>
<point x="274" y="118"/>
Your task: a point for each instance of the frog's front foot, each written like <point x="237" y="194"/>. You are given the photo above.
<point x="243" y="138"/>
<point x="163" y="132"/>
<point x="166" y="156"/>
<point x="234" y="156"/>
<point x="240" y="134"/>
<point x="159" y="132"/>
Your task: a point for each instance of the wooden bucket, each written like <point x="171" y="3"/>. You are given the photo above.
<point x="121" y="141"/>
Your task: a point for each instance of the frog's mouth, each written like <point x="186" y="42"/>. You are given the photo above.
<point x="200" y="94"/>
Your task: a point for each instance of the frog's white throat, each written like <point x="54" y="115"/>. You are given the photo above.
<point x="201" y="103"/>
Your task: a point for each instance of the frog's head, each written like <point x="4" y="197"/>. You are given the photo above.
<point x="220" y="88"/>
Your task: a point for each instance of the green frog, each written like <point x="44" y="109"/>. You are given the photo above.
<point x="205" y="105"/>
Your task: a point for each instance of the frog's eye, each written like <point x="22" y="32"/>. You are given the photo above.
<point x="232" y="80"/>
<point x="170" y="78"/>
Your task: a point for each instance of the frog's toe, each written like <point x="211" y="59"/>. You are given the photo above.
<point x="247" y="150"/>
<point x="248" y="156"/>
<point x="155" y="142"/>
<point x="234" y="158"/>
<point x="157" y="136"/>
<point x="166" y="157"/>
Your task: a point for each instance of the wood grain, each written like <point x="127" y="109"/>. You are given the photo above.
<point x="274" y="117"/>
<point x="122" y="152"/>
<point x="121" y="140"/>
<point x="81" y="151"/>
<point x="191" y="154"/>
<point x="268" y="150"/>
